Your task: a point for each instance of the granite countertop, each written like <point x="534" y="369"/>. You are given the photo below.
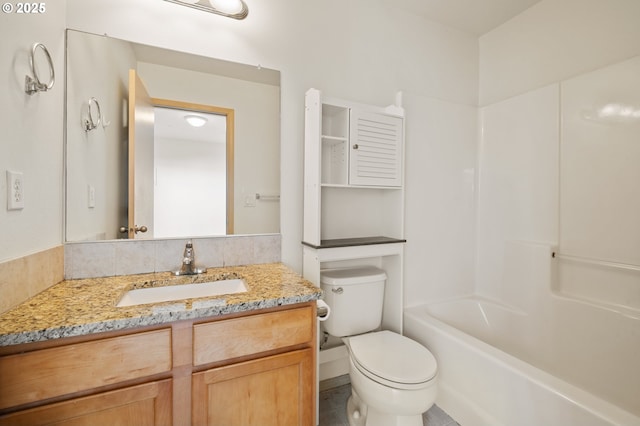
<point x="86" y="306"/>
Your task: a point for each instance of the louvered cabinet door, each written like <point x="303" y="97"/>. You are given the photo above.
<point x="376" y="149"/>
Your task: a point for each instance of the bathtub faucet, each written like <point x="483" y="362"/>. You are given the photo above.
<point x="189" y="262"/>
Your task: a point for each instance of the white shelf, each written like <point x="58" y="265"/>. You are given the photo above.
<point x="347" y="186"/>
<point x="334" y="138"/>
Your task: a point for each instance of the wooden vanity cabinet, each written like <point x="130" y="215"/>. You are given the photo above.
<point x="277" y="389"/>
<point x="256" y="368"/>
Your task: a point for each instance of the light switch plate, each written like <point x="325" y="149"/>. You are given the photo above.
<point x="91" y="195"/>
<point x="250" y="200"/>
<point x="15" y="190"/>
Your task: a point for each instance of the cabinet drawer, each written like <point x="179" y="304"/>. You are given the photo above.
<point x="227" y="339"/>
<point x="47" y="373"/>
<point x="142" y="405"/>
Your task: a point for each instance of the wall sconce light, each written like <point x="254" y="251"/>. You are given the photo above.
<point x="236" y="9"/>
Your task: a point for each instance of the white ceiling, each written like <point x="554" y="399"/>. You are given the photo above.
<point x="472" y="16"/>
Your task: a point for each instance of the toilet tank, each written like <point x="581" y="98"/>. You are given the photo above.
<point x="355" y="296"/>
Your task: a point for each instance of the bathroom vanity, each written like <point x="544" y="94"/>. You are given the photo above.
<point x="244" y="359"/>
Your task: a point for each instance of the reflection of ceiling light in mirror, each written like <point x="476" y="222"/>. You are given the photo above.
<point x="227" y="6"/>
<point x="613" y="112"/>
<point x="618" y="110"/>
<point x="236" y="9"/>
<point x="195" y="120"/>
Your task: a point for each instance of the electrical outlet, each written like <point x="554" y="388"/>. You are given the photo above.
<point x="15" y="191"/>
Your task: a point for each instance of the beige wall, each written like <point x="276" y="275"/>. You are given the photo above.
<point x="31" y="136"/>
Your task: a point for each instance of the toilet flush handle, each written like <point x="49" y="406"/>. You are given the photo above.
<point x="338" y="290"/>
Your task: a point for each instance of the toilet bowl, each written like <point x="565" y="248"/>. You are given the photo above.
<point x="393" y="380"/>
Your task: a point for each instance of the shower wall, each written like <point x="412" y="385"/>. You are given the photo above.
<point x="439" y="215"/>
<point x="517" y="183"/>
<point x="600" y="187"/>
<point x="555" y="40"/>
<point x="558" y="150"/>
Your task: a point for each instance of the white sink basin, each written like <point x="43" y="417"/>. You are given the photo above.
<point x="182" y="291"/>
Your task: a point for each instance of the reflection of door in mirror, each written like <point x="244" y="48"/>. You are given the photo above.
<point x="193" y="163"/>
<point x="141" y="127"/>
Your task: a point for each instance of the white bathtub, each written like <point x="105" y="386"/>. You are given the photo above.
<point x="570" y="364"/>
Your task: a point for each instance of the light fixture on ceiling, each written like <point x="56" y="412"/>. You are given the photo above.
<point x="236" y="9"/>
<point x="195" y="120"/>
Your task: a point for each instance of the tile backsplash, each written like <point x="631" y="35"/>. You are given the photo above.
<point x="23" y="278"/>
<point x="27" y="276"/>
<point x="124" y="257"/>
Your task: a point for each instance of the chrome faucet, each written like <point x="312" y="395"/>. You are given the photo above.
<point x="189" y="262"/>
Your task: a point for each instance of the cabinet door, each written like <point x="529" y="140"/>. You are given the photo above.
<point x="143" y="405"/>
<point x="276" y="390"/>
<point x="376" y="149"/>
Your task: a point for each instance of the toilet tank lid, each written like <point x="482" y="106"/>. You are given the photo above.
<point x="346" y="276"/>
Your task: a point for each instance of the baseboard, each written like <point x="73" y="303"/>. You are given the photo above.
<point x="333" y="363"/>
<point x="334" y="382"/>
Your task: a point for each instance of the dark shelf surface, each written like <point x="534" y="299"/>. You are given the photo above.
<point x="350" y="242"/>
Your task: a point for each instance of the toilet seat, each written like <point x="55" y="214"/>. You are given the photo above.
<point x="392" y="359"/>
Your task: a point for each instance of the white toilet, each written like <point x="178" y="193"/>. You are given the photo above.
<point x="393" y="378"/>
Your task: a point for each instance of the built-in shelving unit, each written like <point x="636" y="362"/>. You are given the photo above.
<point x="353" y="170"/>
<point x="353" y="200"/>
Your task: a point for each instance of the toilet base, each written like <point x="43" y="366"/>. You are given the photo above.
<point x="359" y="414"/>
<point x="356" y="413"/>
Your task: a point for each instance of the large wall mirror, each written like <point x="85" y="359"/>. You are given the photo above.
<point x="163" y="144"/>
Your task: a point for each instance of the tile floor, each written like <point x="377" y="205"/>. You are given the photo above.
<point x="333" y="409"/>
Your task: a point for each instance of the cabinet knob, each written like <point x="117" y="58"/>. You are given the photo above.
<point x="140" y="229"/>
<point x="355" y="146"/>
<point x="137" y="229"/>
